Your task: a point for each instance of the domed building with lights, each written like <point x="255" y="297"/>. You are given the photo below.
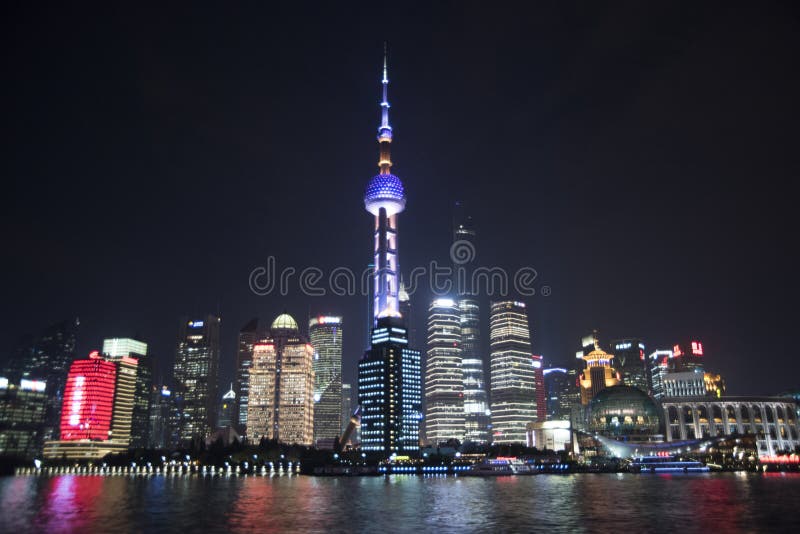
<point x="624" y="412"/>
<point x="281" y="386"/>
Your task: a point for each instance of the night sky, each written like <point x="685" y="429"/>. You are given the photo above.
<point x="639" y="156"/>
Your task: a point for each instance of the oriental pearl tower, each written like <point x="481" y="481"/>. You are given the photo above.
<point x="385" y="199"/>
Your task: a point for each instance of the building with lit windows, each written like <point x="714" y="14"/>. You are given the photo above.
<point x="562" y="392"/>
<point x="659" y="366"/>
<point x="47" y="356"/>
<point x="687" y="356"/>
<point x="98" y="408"/>
<point x="281" y="386"/>
<point x="325" y="334"/>
<point x="629" y="358"/>
<point x="476" y="405"/>
<point x="541" y="394"/>
<point x="513" y="375"/>
<point x="389" y="375"/>
<point x="227" y="409"/>
<point x="248" y="335"/>
<point x="444" y="377"/>
<point x="161" y="410"/>
<point x="597" y="375"/>
<point x="196" y="375"/>
<point x="772" y="420"/>
<point x="22" y="416"/>
<point x="114" y="349"/>
<point x="347" y="405"/>
<point x="684" y="384"/>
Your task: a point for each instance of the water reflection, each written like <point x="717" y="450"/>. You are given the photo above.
<point x="570" y="503"/>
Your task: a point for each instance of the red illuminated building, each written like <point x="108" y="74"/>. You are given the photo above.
<point x="88" y="400"/>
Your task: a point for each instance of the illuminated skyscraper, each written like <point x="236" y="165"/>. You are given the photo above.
<point x="48" y="356"/>
<point x="444" y="377"/>
<point x="687" y="357"/>
<point x="196" y="371"/>
<point x="513" y="376"/>
<point x="347" y="405"/>
<point x="22" y="412"/>
<point x="563" y="392"/>
<point x="325" y="334"/>
<point x="227" y="409"/>
<point x="658" y="367"/>
<point x="281" y="386"/>
<point x="629" y="356"/>
<point x="389" y="381"/>
<point x="98" y="408"/>
<point x="248" y="336"/>
<point x="161" y="409"/>
<point x="476" y="406"/>
<point x="597" y="375"/>
<point x="541" y="394"/>
<point x="115" y="349"/>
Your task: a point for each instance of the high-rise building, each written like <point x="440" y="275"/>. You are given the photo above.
<point x="541" y="395"/>
<point x="248" y="335"/>
<point x="227" y="409"/>
<point x="281" y="386"/>
<point x="389" y="378"/>
<point x="22" y="415"/>
<point x="98" y="408"/>
<point x="629" y="360"/>
<point x="124" y="400"/>
<point x="476" y="405"/>
<point x="405" y="311"/>
<point x="444" y="377"/>
<point x="196" y="375"/>
<point x="597" y="375"/>
<point x="687" y="357"/>
<point x="658" y="367"/>
<point x="347" y="405"/>
<point x="115" y="349"/>
<point x="513" y="376"/>
<point x="563" y="392"/>
<point x="47" y="356"/>
<point x="325" y="334"/>
<point x="161" y="410"/>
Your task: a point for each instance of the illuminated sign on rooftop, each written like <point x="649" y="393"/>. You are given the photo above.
<point x="32" y="385"/>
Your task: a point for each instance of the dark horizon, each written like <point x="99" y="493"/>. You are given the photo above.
<point x="638" y="157"/>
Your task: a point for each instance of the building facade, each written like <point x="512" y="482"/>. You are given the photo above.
<point x="281" y="386"/>
<point x="196" y="376"/>
<point x="325" y="334"/>
<point x="22" y="415"/>
<point x="597" y="375"/>
<point x="248" y="335"/>
<point x="513" y="375"/>
<point x="772" y="420"/>
<point x="115" y="349"/>
<point x="444" y="375"/>
<point x="630" y="361"/>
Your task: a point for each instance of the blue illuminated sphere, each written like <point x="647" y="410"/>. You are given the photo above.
<point x="385" y="191"/>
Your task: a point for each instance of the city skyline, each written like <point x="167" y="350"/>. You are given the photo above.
<point x="540" y="150"/>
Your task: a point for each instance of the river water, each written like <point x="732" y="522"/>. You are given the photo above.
<point x="726" y="502"/>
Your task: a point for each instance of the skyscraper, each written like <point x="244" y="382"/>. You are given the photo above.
<point x="248" y="336"/>
<point x="161" y="414"/>
<point x="115" y="349"/>
<point x="347" y="405"/>
<point x="687" y="356"/>
<point x="630" y="362"/>
<point x="389" y="381"/>
<point x="47" y="356"/>
<point x="597" y="375"/>
<point x="325" y="334"/>
<point x="541" y="395"/>
<point x="444" y="377"/>
<point x="281" y="386"/>
<point x="98" y="408"/>
<point x="227" y="409"/>
<point x="513" y="377"/>
<point x="22" y="412"/>
<point x="476" y="406"/>
<point x="562" y="392"/>
<point x="196" y="372"/>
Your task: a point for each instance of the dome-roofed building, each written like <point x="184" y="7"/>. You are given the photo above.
<point x="624" y="411"/>
<point x="285" y="322"/>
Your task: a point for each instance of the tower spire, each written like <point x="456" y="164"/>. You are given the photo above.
<point x="385" y="130"/>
